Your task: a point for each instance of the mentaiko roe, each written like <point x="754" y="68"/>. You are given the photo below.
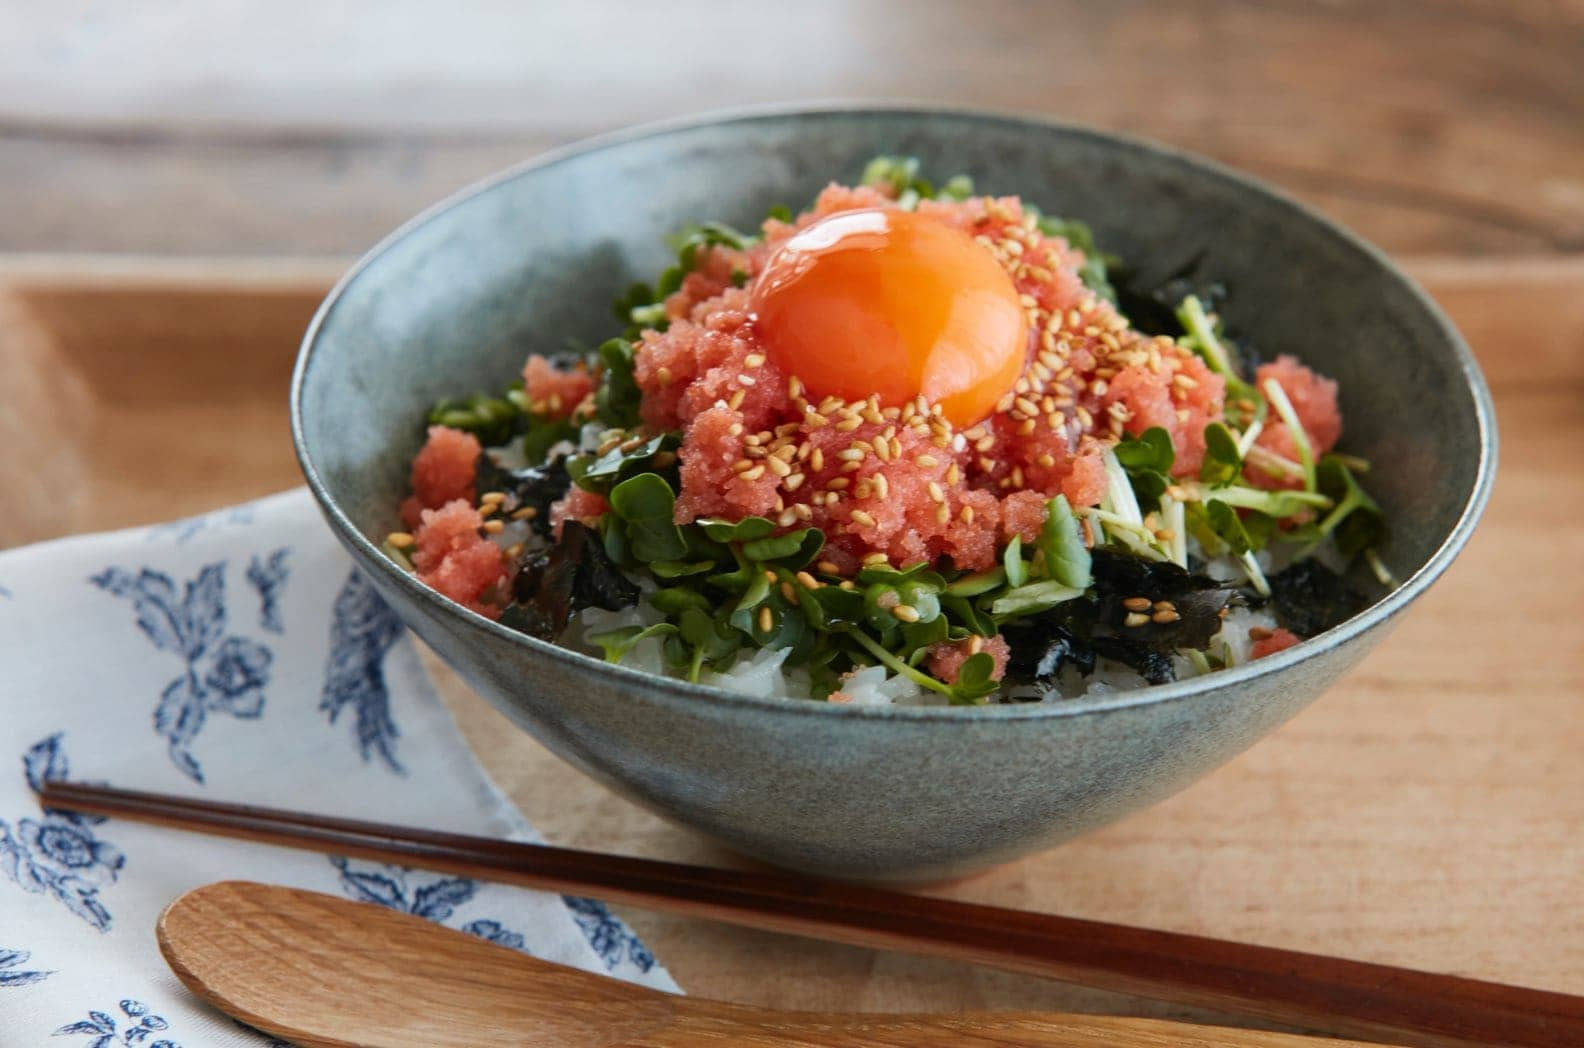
<point x="900" y="480"/>
<point x="452" y="555"/>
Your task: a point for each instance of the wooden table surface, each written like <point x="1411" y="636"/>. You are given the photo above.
<point x="1426" y="812"/>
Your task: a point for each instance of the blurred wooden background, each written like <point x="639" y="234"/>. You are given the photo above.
<point x="240" y="127"/>
<point x="1425" y="813"/>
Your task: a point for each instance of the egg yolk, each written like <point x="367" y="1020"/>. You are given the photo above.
<point x="896" y="304"/>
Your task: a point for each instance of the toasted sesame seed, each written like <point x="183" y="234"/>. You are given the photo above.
<point x="766" y="619"/>
<point x="851" y="467"/>
<point x="754" y="360"/>
<point x="1027" y="426"/>
<point x="753" y="474"/>
<point x="778" y="467"/>
<point x="851" y="454"/>
<point x="862" y="518"/>
<point x="935" y="492"/>
<point x="882" y="449"/>
<point x="1135" y="618"/>
<point x="828" y="567"/>
<point x="817" y="459"/>
<point x="793" y="482"/>
<point x="492" y="496"/>
<point x="1164" y="617"/>
<point x="400" y="539"/>
<point x="906" y="612"/>
<point x="735" y="429"/>
<point x="942" y="513"/>
<point x="802" y="511"/>
<point x="736" y="399"/>
<point x="967" y="514"/>
<point x="514" y="551"/>
<point x="1165" y="534"/>
<point x="525" y="513"/>
<point x="742" y="465"/>
<point x="850" y="423"/>
<point x="1137" y="604"/>
<point x="863" y="489"/>
<point x="953" y="473"/>
<point x="847" y="584"/>
<point x="786" y="518"/>
<point x="882" y="487"/>
<point x="494" y="527"/>
<point x="875" y="558"/>
<point x="807" y="581"/>
<point x="927" y="461"/>
<point x="789" y="592"/>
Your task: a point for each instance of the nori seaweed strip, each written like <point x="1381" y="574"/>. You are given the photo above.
<point x="573" y="574"/>
<point x="1309" y="598"/>
<point x="535" y="486"/>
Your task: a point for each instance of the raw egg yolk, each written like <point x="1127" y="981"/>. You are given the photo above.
<point x="897" y="304"/>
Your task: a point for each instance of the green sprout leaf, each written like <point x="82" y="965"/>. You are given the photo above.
<point x="975" y="680"/>
<point x="1356" y="520"/>
<point x="1095" y="271"/>
<point x="617" y="399"/>
<point x="1061" y="546"/>
<point x="618" y="642"/>
<point x="1222" y="463"/>
<point x="603" y="473"/>
<point x="491" y="419"/>
<point x="1034" y="597"/>
<point x="1012" y="562"/>
<point x="646" y="505"/>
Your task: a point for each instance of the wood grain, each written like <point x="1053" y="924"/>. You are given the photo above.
<point x="1424" y="813"/>
<point x="1450" y="127"/>
<point x="281" y="960"/>
<point x="1423" y="1009"/>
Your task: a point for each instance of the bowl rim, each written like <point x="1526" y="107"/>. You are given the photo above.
<point x="672" y="689"/>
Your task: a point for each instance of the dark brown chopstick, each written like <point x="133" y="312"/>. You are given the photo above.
<point x="1329" y="994"/>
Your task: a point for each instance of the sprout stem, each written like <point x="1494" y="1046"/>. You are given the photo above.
<point x="1255" y="575"/>
<point x="1191" y="314"/>
<point x="1278" y="398"/>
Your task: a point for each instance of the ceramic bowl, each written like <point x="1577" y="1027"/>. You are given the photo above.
<point x="532" y="258"/>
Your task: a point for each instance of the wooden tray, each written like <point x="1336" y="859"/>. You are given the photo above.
<point x="1427" y="812"/>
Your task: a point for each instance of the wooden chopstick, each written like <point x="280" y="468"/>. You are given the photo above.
<point x="1327" y="994"/>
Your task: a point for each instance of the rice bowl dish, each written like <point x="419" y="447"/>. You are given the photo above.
<point x="907" y="446"/>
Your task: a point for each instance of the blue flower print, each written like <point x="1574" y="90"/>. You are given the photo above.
<point x="140" y="1025"/>
<point x="11" y="971"/>
<point x="431" y="896"/>
<point x="223" y="674"/>
<point x="492" y="931"/>
<point x="363" y="631"/>
<point x="611" y="939"/>
<point x="238" y="675"/>
<point x="58" y="854"/>
<point x="268" y="577"/>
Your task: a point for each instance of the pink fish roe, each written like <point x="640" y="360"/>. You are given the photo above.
<point x="899" y="479"/>
<point x="557" y="392"/>
<point x="442" y="472"/>
<point x="453" y="557"/>
<point x="1314" y="399"/>
<point x="583" y="506"/>
<point x="947" y="657"/>
<point x="1277" y="640"/>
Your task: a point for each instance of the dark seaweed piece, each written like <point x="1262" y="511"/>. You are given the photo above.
<point x="1153" y="664"/>
<point x="573" y="574"/>
<point x="1309" y="598"/>
<point x="1080" y="632"/>
<point x="1039" y="650"/>
<point x="535" y="486"/>
<point x="1153" y="309"/>
<point x="1198" y="599"/>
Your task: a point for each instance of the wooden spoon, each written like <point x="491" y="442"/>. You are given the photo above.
<point x="323" y="971"/>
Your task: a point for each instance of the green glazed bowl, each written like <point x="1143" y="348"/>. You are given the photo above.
<point x="454" y="300"/>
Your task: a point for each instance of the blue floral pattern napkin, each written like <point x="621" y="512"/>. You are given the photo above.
<point x="235" y="656"/>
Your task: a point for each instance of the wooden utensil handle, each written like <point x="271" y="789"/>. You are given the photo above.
<point x="1323" y="993"/>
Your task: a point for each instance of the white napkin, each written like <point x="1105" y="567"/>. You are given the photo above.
<point x="235" y="656"/>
